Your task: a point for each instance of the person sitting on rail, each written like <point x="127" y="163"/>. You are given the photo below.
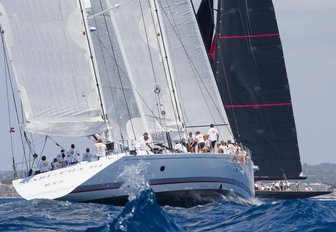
<point x="44" y="165"/>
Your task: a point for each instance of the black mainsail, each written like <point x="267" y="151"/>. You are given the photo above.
<point x="251" y="75"/>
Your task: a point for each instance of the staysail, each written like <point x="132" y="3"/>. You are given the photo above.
<point x="252" y="77"/>
<point x="50" y="56"/>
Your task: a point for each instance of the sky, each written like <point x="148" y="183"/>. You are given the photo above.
<point x="308" y="34"/>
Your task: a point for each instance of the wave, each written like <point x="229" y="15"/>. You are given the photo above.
<point x="144" y="214"/>
<point x="141" y="214"/>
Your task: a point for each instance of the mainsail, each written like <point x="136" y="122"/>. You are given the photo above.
<point x="206" y="22"/>
<point x="251" y="74"/>
<point x="49" y="51"/>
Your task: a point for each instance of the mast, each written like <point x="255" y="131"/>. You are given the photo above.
<point x="164" y="54"/>
<point x="104" y="116"/>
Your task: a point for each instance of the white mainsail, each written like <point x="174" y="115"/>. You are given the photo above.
<point x="49" y="52"/>
<point x="198" y="93"/>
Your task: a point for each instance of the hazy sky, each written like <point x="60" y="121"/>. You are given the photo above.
<point x="308" y="33"/>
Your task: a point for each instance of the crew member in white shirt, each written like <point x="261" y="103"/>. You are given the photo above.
<point x="44" y="165"/>
<point x="200" y="141"/>
<point x="100" y="148"/>
<point x="179" y="148"/>
<point x="144" y="144"/>
<point x="213" y="137"/>
<point x="73" y="155"/>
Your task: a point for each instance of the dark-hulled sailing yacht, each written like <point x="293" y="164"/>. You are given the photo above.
<point x="249" y="67"/>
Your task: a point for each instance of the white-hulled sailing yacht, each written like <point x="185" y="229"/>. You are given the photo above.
<point x="117" y="69"/>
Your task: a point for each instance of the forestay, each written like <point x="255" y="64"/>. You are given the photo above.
<point x="49" y="52"/>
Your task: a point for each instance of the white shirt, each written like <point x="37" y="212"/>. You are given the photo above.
<point x="73" y="155"/>
<point x="180" y="148"/>
<point x="199" y="138"/>
<point x="142" y="144"/>
<point x="191" y="139"/>
<point x="231" y="149"/>
<point x="101" y="149"/>
<point x="44" y="166"/>
<point x="224" y="148"/>
<point x="213" y="134"/>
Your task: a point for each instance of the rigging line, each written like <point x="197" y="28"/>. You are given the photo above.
<point x="92" y="62"/>
<point x="181" y="104"/>
<point x="134" y="88"/>
<point x="147" y="40"/>
<point x="56" y="143"/>
<point x="168" y="72"/>
<point x="12" y="90"/>
<point x="106" y="69"/>
<point x="108" y="9"/>
<point x="45" y="142"/>
<point x="119" y="70"/>
<point x="10" y="124"/>
<point x="198" y="75"/>
<point x="220" y="62"/>
<point x="249" y="31"/>
<point x="193" y="7"/>
<point x="174" y="26"/>
<point x="28" y="142"/>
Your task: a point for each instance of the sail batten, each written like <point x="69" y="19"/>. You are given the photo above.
<point x="51" y="61"/>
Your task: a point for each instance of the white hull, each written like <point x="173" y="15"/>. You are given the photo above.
<point x="176" y="179"/>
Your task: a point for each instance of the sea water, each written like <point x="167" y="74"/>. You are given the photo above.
<point x="144" y="214"/>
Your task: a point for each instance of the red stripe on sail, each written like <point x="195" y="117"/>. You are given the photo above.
<point x="212" y="49"/>
<point x="258" y="105"/>
<point x="247" y="36"/>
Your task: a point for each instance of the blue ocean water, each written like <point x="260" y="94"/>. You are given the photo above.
<point x="144" y="214"/>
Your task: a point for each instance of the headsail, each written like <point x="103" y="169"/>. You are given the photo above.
<point x="137" y="34"/>
<point x="120" y="104"/>
<point x="196" y="87"/>
<point x="252" y="77"/>
<point x="49" y="52"/>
